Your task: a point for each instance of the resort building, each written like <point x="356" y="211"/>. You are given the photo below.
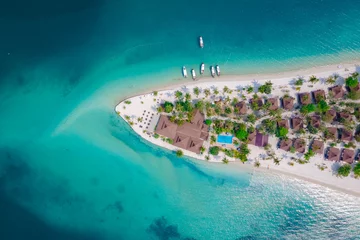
<point x="315" y="121"/>
<point x="297" y="123"/>
<point x="285" y="144"/>
<point x="257" y="101"/>
<point x="288" y="103"/>
<point x="242" y="107"/>
<point x="274" y="103"/>
<point x="346" y="135"/>
<point x="348" y="155"/>
<point x="317" y="147"/>
<point x="337" y="92"/>
<point x="319" y="95"/>
<point x="299" y="145"/>
<point x="345" y="117"/>
<point x="330" y="116"/>
<point x="305" y="98"/>
<point x="190" y="136"/>
<point x="283" y="123"/>
<point x="333" y="154"/>
<point x="331" y="133"/>
<point x="258" y="139"/>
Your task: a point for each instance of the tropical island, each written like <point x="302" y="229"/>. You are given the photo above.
<point x="308" y="126"/>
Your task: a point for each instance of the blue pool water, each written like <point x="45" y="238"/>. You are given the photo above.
<point x="71" y="169"/>
<point x="225" y="139"/>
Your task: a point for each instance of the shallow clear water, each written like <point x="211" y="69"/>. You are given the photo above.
<point x="71" y="169"/>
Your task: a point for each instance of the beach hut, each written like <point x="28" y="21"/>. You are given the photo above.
<point x="348" y="155"/>
<point x="297" y="123"/>
<point x="305" y="98"/>
<point x="346" y="135"/>
<point x="337" y="92"/>
<point x="288" y="103"/>
<point x="299" y="145"/>
<point x="319" y="95"/>
<point x="274" y="103"/>
<point x="285" y="144"/>
<point x="283" y="123"/>
<point x="333" y="154"/>
<point x="331" y="133"/>
<point x="330" y="115"/>
<point x="345" y="117"/>
<point x="242" y="107"/>
<point x="317" y="147"/>
<point x="315" y="121"/>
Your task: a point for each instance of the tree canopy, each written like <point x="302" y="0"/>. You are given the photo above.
<point x="322" y="106"/>
<point x="214" y="150"/>
<point x="281" y="132"/>
<point x="351" y="82"/>
<point x="344" y="170"/>
<point x="168" y="107"/>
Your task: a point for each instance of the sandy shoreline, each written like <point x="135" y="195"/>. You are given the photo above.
<point x="146" y="102"/>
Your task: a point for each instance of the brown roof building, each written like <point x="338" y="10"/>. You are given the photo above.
<point x="331" y="133"/>
<point x="241" y="106"/>
<point x="189" y="136"/>
<point x="259" y="101"/>
<point x="285" y="144"/>
<point x="337" y="91"/>
<point x="317" y="147"/>
<point x="297" y="123"/>
<point x="283" y="123"/>
<point x="288" y="103"/>
<point x="345" y="116"/>
<point x="319" y="95"/>
<point x="258" y="139"/>
<point x="330" y="115"/>
<point x="315" y="121"/>
<point x="274" y="103"/>
<point x="346" y="135"/>
<point x="333" y="154"/>
<point x="305" y="98"/>
<point x="299" y="145"/>
<point x="348" y="155"/>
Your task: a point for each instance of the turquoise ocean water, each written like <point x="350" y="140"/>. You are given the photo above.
<point x="71" y="169"/>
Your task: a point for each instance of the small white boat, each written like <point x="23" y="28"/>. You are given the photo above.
<point x="184" y="71"/>
<point x="202" y="68"/>
<point x="201" y="42"/>
<point x="212" y="69"/>
<point x="218" y="70"/>
<point x="193" y="74"/>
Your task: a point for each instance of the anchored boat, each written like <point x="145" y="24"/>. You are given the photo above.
<point x="201" y="42"/>
<point x="184" y="71"/>
<point x="218" y="70"/>
<point x="202" y="68"/>
<point x="212" y="69"/>
<point x="193" y="74"/>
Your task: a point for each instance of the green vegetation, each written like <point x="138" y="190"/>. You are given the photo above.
<point x="266" y="88"/>
<point x="357" y="170"/>
<point x="178" y="95"/>
<point x="214" y="150"/>
<point x="225" y="160"/>
<point x="168" y="107"/>
<point x="179" y="153"/>
<point x="344" y="170"/>
<point x="207" y="92"/>
<point x="202" y="150"/>
<point x="281" y="132"/>
<point x="208" y="122"/>
<point x="169" y="140"/>
<point x="127" y="102"/>
<point x="187" y="96"/>
<point x="269" y="125"/>
<point x="306" y="109"/>
<point x="251" y="118"/>
<point x="226" y="89"/>
<point x="313" y="79"/>
<point x="243" y="152"/>
<point x="215" y="91"/>
<point x="309" y="154"/>
<point x="292" y="149"/>
<point x="196" y="91"/>
<point x="155" y="93"/>
<point x="229" y="152"/>
<point x="250" y="89"/>
<point x="351" y="82"/>
<point x="242" y="133"/>
<point x="257" y="164"/>
<point x="330" y="80"/>
<point x="322" y="106"/>
<point x="350" y="145"/>
<point x="299" y="82"/>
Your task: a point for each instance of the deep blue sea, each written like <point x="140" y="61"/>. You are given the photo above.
<point x="70" y="168"/>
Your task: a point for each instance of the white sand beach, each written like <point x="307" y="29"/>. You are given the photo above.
<point x="141" y="111"/>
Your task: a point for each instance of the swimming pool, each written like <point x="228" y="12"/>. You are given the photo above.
<point x="225" y="139"/>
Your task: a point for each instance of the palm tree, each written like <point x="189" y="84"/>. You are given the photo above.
<point x="313" y="79"/>
<point x="178" y="95"/>
<point x="225" y="89"/>
<point x="196" y="91"/>
<point x="187" y="96"/>
<point x="216" y="91"/>
<point x="257" y="164"/>
<point x="225" y="160"/>
<point x="330" y="80"/>
<point x="207" y="158"/>
<point x="276" y="161"/>
<point x="179" y="153"/>
<point x="207" y="92"/>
